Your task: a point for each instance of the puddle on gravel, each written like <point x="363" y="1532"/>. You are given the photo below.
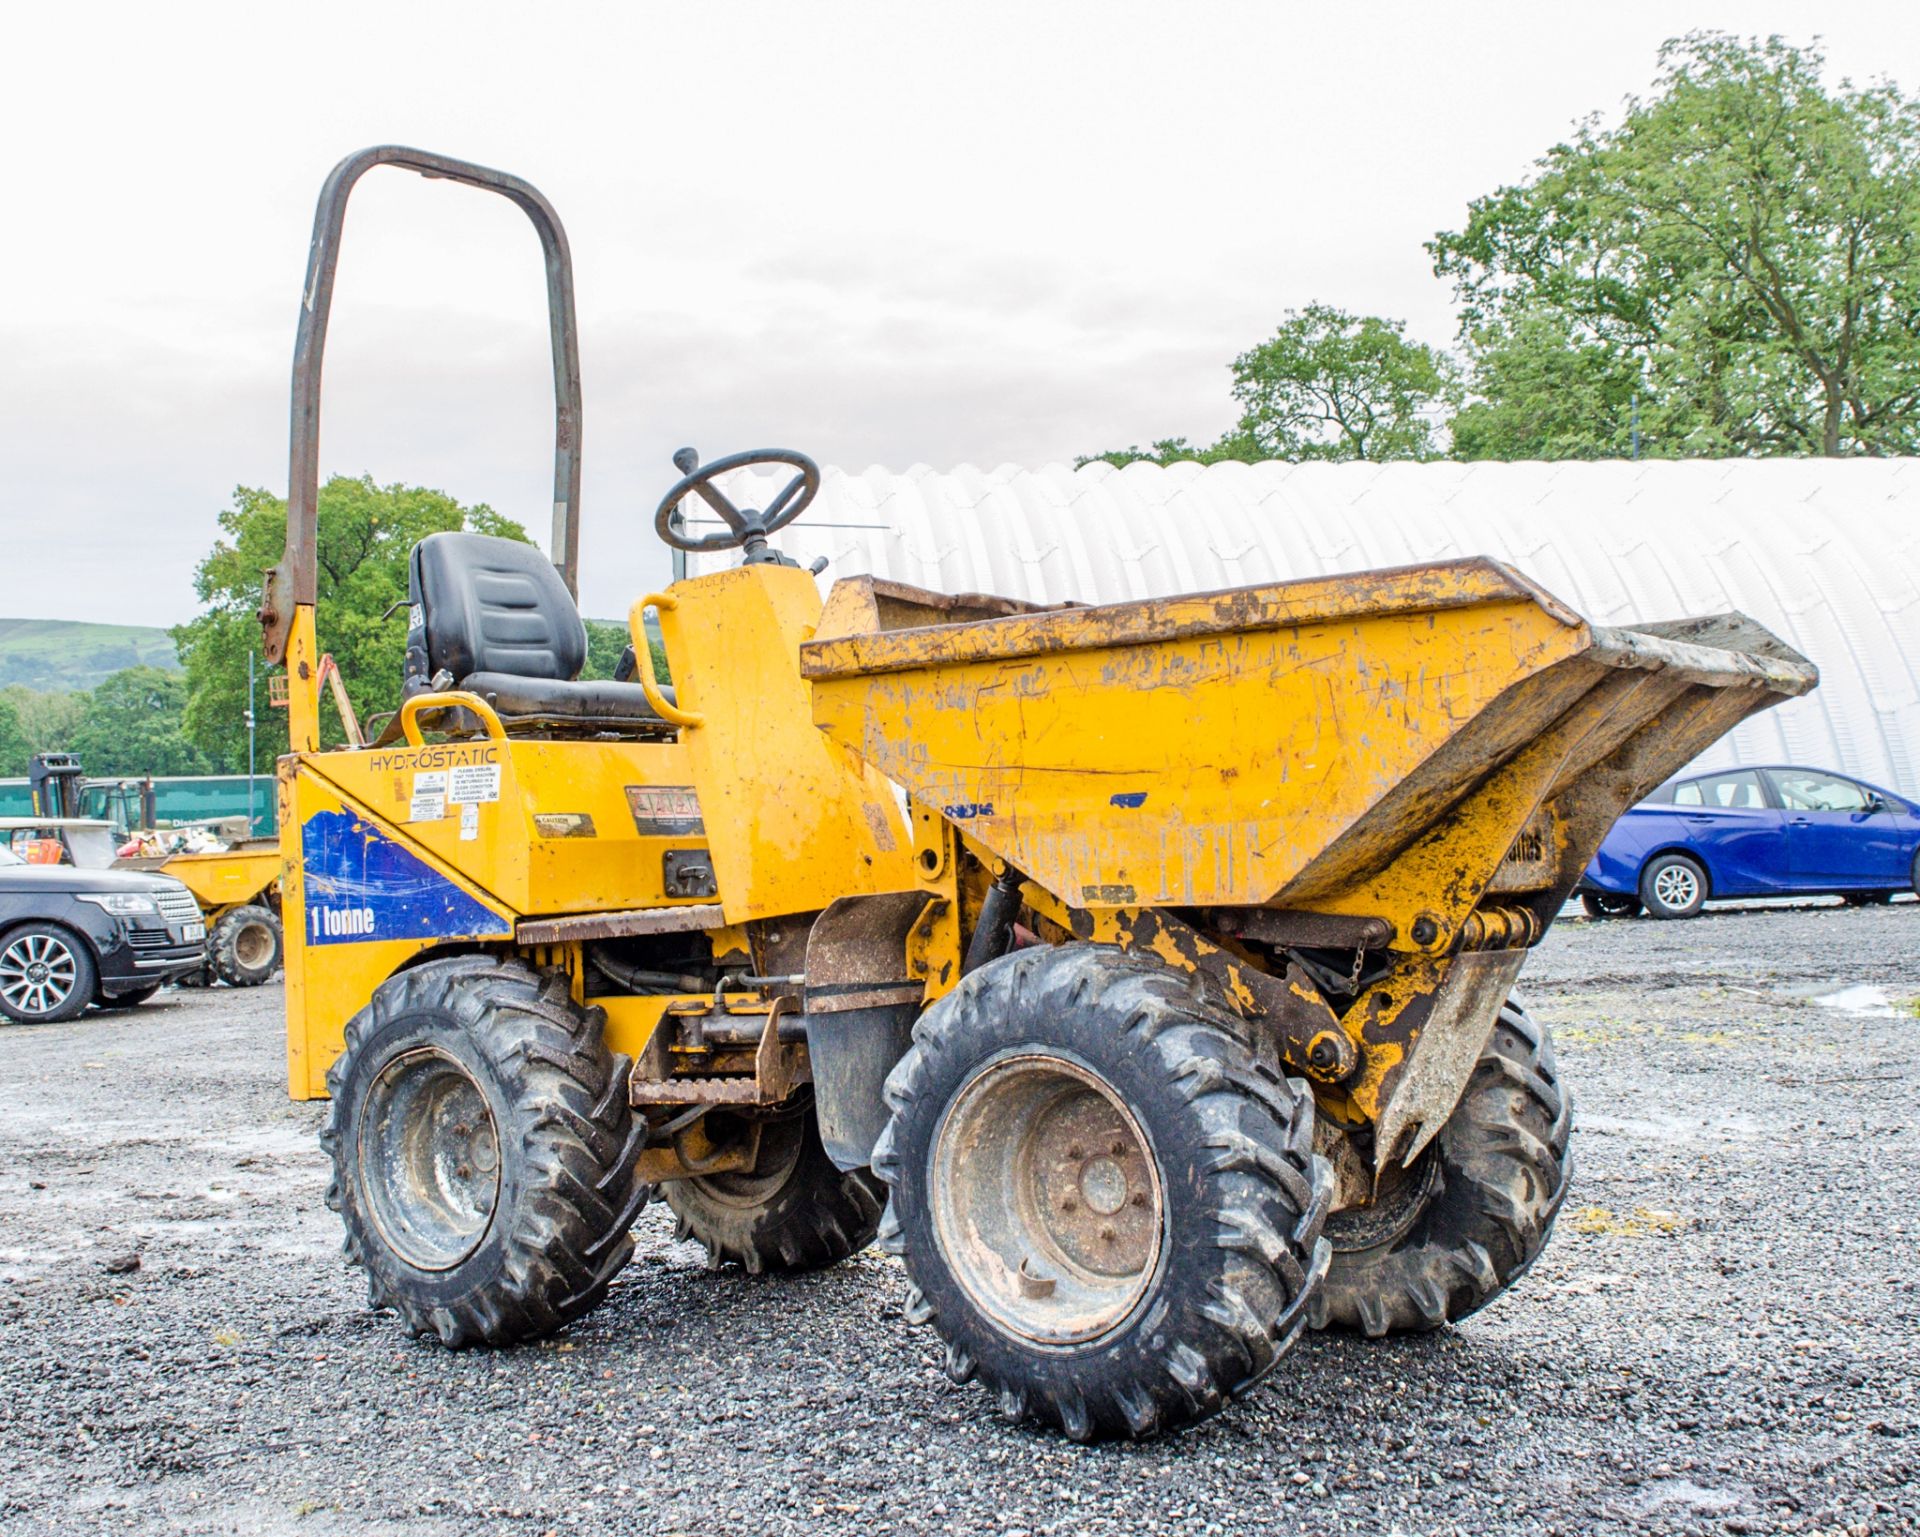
<point x="1665" y="1494"/>
<point x="1658" y="1127"/>
<point x="1861" y="998"/>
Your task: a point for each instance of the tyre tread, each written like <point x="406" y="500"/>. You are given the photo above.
<point x="580" y="1141"/>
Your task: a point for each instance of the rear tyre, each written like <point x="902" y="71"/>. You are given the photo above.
<point x="794" y="1211"/>
<point x="244" y="948"/>
<point x="1463" y="1224"/>
<point x="1109" y="1207"/>
<point x="1609" y="904"/>
<point x="46" y="974"/>
<point x="131" y="1000"/>
<point x="1673" y="886"/>
<point x="483" y="1151"/>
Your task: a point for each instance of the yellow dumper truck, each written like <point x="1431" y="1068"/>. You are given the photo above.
<point x="1141" y="974"/>
<point x="239" y="892"/>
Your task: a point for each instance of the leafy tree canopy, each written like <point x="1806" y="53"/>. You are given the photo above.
<point x="1165" y="451"/>
<point x="608" y="639"/>
<point x="47" y="720"/>
<point x="132" y="725"/>
<point x="14" y="747"/>
<point x="1330" y="385"/>
<point x="364" y="536"/>
<point x="1742" y="252"/>
<point x="1327" y="385"/>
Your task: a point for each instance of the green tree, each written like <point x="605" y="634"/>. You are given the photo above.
<point x="132" y="725"/>
<point x="1327" y="385"/>
<point x="1164" y="451"/>
<point x="48" y="720"/>
<point x="1740" y="254"/>
<point x="14" y="748"/>
<point x="607" y="640"/>
<point x="364" y="536"/>
<point x="1330" y="385"/>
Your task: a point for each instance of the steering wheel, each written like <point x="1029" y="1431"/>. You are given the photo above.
<point x="747" y="528"/>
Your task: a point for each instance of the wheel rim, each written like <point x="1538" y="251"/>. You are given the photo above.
<point x="429" y="1159"/>
<point x="1046" y="1200"/>
<point x="1677" y="886"/>
<point x="253" y="946"/>
<point x="37" y="973"/>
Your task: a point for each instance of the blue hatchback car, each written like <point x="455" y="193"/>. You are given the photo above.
<point x="1755" y="832"/>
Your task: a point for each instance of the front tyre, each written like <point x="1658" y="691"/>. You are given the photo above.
<point x="243" y="950"/>
<point x="1673" y="886"/>
<point x="1109" y="1207"/>
<point x="1608" y="904"/>
<point x="1447" y="1236"/>
<point x="483" y="1150"/>
<point x="46" y="974"/>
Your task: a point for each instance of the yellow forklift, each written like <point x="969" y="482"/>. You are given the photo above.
<point x="1142" y="974"/>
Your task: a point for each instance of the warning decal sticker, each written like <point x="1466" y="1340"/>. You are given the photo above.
<point x="665" y="811"/>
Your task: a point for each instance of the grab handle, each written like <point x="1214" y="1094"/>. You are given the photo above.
<point x="658" y="702"/>
<point x="451" y="699"/>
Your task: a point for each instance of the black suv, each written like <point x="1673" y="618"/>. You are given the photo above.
<point x="70" y="937"/>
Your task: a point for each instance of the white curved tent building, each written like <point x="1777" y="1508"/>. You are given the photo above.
<point x="1826" y="553"/>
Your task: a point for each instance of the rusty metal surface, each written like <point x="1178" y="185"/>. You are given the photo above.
<point x="701" y="1055"/>
<point x="1275" y="606"/>
<point x="1121" y="755"/>
<point x="1442" y="1055"/>
<point x="696" y="1091"/>
<point x="1500" y="928"/>
<point x="638" y="920"/>
<point x="1277" y="926"/>
<point x="1070" y="1256"/>
<point x="857" y="953"/>
<point x="293" y="581"/>
<point x="1306" y="1035"/>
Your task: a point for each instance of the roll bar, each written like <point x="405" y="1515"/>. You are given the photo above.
<point x="292" y="582"/>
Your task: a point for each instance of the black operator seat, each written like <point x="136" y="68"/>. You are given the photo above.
<point x="494" y="616"/>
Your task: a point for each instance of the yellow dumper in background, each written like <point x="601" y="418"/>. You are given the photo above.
<point x="1141" y="974"/>
<point x="238" y="890"/>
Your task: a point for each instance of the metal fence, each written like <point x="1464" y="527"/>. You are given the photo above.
<point x="186" y="798"/>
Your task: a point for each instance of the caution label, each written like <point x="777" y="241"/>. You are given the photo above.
<point x="665" y="811"/>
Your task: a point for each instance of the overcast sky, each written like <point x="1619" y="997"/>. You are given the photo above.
<point x="882" y="234"/>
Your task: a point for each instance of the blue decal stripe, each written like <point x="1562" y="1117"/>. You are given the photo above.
<point x="361" y="885"/>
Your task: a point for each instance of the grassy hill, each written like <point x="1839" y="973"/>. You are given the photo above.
<point x="62" y="655"/>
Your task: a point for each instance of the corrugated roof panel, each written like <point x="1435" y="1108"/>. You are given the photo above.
<point x="1824" y="552"/>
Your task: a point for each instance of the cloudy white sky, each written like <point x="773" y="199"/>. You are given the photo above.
<point x="884" y="234"/>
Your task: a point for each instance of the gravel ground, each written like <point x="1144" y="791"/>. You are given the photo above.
<point x="1721" y="1338"/>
